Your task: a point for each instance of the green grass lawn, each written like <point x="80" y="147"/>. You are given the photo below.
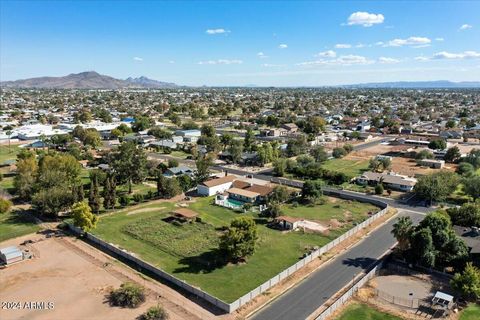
<point x="7" y="153"/>
<point x="13" y="225"/>
<point x="357" y="311"/>
<point x="179" y="154"/>
<point x="333" y="208"/>
<point x="148" y="236"/>
<point x="351" y="168"/>
<point x="472" y="312"/>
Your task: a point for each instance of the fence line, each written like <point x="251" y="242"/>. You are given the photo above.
<point x="230" y="307"/>
<point x="347" y="295"/>
<point x="413" y="303"/>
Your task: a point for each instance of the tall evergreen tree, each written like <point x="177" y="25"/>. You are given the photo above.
<point x="94" y="198"/>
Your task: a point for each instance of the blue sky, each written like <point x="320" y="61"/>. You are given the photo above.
<point x="288" y="43"/>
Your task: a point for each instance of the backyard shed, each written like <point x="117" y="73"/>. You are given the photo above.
<point x="184" y="214"/>
<point x="11" y="255"/>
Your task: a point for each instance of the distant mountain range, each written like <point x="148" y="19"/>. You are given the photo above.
<point x="417" y="84"/>
<point x="87" y="80"/>
<point x="94" y="80"/>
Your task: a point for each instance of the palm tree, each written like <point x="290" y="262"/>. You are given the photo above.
<point x="402" y="230"/>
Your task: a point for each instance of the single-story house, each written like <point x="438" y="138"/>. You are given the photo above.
<point x="287" y="223"/>
<point x="290" y="127"/>
<point x="10" y="255"/>
<point x="184" y="214"/>
<point x="178" y="171"/>
<point x="215" y="185"/>
<point x="243" y="195"/>
<point x="389" y="180"/>
<point x="432" y="163"/>
<point x="471" y="237"/>
<point x="188" y="133"/>
<point x="168" y="144"/>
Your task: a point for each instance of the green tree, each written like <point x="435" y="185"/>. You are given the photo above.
<point x="453" y="154"/>
<point x="279" y="194"/>
<point x="319" y="154"/>
<point x="280" y="167"/>
<point x="92" y="138"/>
<point x="249" y="139"/>
<point x="471" y="186"/>
<point x="168" y="187"/>
<point x="436" y="186"/>
<point x="24" y="180"/>
<point x="240" y="238"/>
<point x="83" y="216"/>
<point x="466" y="169"/>
<point x="94" y="196"/>
<point x="160" y="133"/>
<point x="467" y="283"/>
<point x="467" y="215"/>
<point x="339" y="152"/>
<point x="109" y="191"/>
<point x="312" y="189"/>
<point x="142" y="123"/>
<point x="202" y="172"/>
<point x="402" y="230"/>
<point x="51" y="201"/>
<point x="424" y="154"/>
<point x="130" y="164"/>
<point x="5" y="205"/>
<point x="379" y="189"/>
<point x="437" y="144"/>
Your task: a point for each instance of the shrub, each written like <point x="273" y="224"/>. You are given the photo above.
<point x="154" y="313"/>
<point x="128" y="295"/>
<point x="379" y="189"/>
<point x="124" y="200"/>
<point x="137" y="197"/>
<point x="5" y="205"/>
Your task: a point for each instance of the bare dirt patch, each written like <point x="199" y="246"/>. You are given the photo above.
<point x="144" y="210"/>
<point x="77" y="278"/>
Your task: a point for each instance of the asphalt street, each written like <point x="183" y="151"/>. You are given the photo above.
<point x="307" y="296"/>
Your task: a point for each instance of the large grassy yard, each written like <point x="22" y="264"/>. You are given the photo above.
<point x="351" y="168"/>
<point x="190" y="251"/>
<point x="357" y="311"/>
<point x="8" y="153"/>
<point x="14" y="225"/>
<point x="472" y="312"/>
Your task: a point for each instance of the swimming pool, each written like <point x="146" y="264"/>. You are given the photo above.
<point x="235" y="203"/>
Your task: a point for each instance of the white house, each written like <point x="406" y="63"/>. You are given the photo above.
<point x="214" y="186"/>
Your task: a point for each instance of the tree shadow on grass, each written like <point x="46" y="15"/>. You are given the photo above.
<point x="19" y="217"/>
<point x="205" y="262"/>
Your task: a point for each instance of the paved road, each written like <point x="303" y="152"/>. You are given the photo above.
<point x="306" y="297"/>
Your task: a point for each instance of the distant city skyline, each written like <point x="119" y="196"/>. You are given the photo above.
<point x="240" y="43"/>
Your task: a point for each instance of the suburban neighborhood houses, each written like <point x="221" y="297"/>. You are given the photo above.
<point x="239" y="160"/>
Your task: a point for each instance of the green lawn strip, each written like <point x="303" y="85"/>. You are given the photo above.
<point x="357" y="311"/>
<point x="351" y="168"/>
<point x="8" y="153"/>
<point x="14" y="225"/>
<point x="195" y="263"/>
<point x="179" y="154"/>
<point x="472" y="312"/>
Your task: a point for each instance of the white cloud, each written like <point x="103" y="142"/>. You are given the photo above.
<point x="327" y="54"/>
<point x="416" y="42"/>
<point x="221" y="61"/>
<point x="365" y="19"/>
<point x="217" y="31"/>
<point x="345" y="60"/>
<point x="269" y="65"/>
<point x="360" y="45"/>
<point x="283" y="46"/>
<point x="379" y="43"/>
<point x="385" y="60"/>
<point x="461" y="55"/>
<point x="439" y="39"/>
<point x="343" y="46"/>
<point x="171" y="61"/>
<point x="421" y="58"/>
<point x="466" y="26"/>
<point x="137" y="59"/>
<point x="262" y="55"/>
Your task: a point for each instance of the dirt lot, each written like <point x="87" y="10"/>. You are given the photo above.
<point x="400" y="165"/>
<point x="76" y="278"/>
